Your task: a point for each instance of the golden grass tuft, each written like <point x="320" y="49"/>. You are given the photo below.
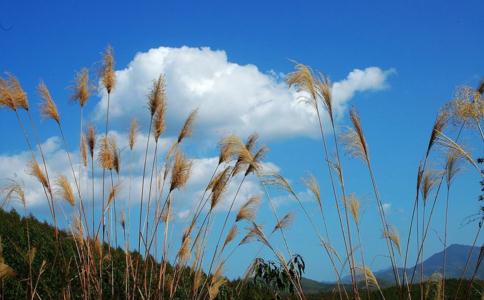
<point x="429" y="180"/>
<point x="216" y="282"/>
<point x="392" y="234"/>
<point x="284" y="222"/>
<point x="180" y="172"/>
<point x="105" y="154"/>
<point x="6" y="99"/>
<point x="184" y="252"/>
<point x="323" y="88"/>
<point x="438" y="127"/>
<point x="218" y="186"/>
<point x="18" y="94"/>
<point x="157" y="95"/>
<point x="353" y="204"/>
<point x="65" y="189"/>
<point x="248" y="210"/>
<point x="312" y="184"/>
<point x="186" y="130"/>
<point x="108" y="75"/>
<point x="113" y="193"/>
<point x="452" y="165"/>
<point x="48" y="107"/>
<point x="37" y="172"/>
<point x="91" y="139"/>
<point x="303" y="79"/>
<point x="133" y="132"/>
<point x="231" y="235"/>
<point x="354" y="138"/>
<point x="159" y="122"/>
<point x="82" y="88"/>
<point x="83" y="149"/>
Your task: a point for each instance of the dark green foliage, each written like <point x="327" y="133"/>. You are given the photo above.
<point x="61" y="275"/>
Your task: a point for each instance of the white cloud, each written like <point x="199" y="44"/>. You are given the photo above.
<point x="231" y="98"/>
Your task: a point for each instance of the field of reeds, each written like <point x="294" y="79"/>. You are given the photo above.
<point x="98" y="257"/>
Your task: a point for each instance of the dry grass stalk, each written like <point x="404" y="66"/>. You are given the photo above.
<point x="65" y="189"/>
<point x="393" y="236"/>
<point x="184" y="252"/>
<point x="157" y="95"/>
<point x="447" y="142"/>
<point x="438" y="127"/>
<point x="354" y="138"/>
<point x="218" y="186"/>
<point x="83" y="149"/>
<point x="312" y="184"/>
<point x="37" y="172"/>
<point x="230" y="236"/>
<point x="105" y="154"/>
<point x="6" y="98"/>
<point x="48" y="107"/>
<point x="112" y="194"/>
<point x="429" y="180"/>
<point x="248" y="210"/>
<point x="216" y="282"/>
<point x="186" y="130"/>
<point x="323" y="88"/>
<point x="133" y="133"/>
<point x="91" y="140"/>
<point x="82" y="90"/>
<point x="303" y="79"/>
<point x="284" y="222"/>
<point x="180" y="172"/>
<point x="19" y="96"/>
<point x="353" y="204"/>
<point x="159" y="122"/>
<point x="452" y="165"/>
<point x="107" y="71"/>
<point x="255" y="165"/>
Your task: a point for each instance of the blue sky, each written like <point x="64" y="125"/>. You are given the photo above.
<point x="424" y="48"/>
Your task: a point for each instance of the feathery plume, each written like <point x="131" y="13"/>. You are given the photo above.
<point x="13" y="191"/>
<point x="354" y="138"/>
<point x="133" y="132"/>
<point x="447" y="142"/>
<point x="157" y="95"/>
<point x="186" y="130"/>
<point x="105" y="154"/>
<point x="159" y="121"/>
<point x="107" y="72"/>
<point x="353" y="204"/>
<point x="256" y="165"/>
<point x="248" y="210"/>
<point x="228" y="147"/>
<point x="303" y="79"/>
<point x="323" y="87"/>
<point x="392" y="234"/>
<point x="112" y="194"/>
<point x="65" y="189"/>
<point x="218" y="186"/>
<point x="184" y="252"/>
<point x="180" y="172"/>
<point x="83" y="150"/>
<point x="19" y="97"/>
<point x="6" y="98"/>
<point x="37" y="172"/>
<point x="429" y="179"/>
<point x="216" y="282"/>
<point x="284" y="222"/>
<point x="312" y="184"/>
<point x="452" y="165"/>
<point x="91" y="140"/>
<point x="368" y="274"/>
<point x="48" y="107"/>
<point x="439" y="125"/>
<point x="81" y="88"/>
<point x="115" y="154"/>
<point x="230" y="236"/>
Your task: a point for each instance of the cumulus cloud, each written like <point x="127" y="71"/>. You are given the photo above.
<point x="231" y="98"/>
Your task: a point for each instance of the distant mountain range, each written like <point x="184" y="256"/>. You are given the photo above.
<point x="456" y="259"/>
